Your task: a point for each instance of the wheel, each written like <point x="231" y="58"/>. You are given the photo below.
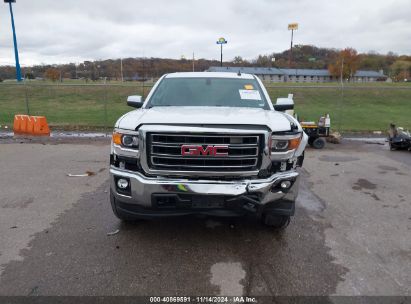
<point x="318" y="143"/>
<point x="311" y="140"/>
<point x="276" y="221"/>
<point x="120" y="215"/>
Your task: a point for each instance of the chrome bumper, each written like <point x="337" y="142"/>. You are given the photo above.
<point x="142" y="187"/>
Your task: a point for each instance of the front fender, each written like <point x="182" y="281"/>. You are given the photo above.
<point x="302" y="145"/>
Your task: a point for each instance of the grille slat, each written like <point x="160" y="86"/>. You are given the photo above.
<point x="164" y="152"/>
<point x="191" y="143"/>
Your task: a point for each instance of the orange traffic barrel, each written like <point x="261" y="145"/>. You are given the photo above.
<point x="20" y="124"/>
<point x="30" y="125"/>
<point x="40" y="126"/>
<point x="16" y="124"/>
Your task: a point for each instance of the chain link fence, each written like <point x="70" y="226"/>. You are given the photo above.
<point x="69" y="106"/>
<point x="98" y="106"/>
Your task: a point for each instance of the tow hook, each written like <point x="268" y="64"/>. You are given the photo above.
<point x="250" y="207"/>
<point x="251" y="204"/>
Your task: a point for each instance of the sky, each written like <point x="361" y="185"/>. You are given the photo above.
<point x="62" y="31"/>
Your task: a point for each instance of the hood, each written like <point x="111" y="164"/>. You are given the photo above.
<point x="276" y="121"/>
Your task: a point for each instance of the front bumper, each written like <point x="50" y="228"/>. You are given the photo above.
<point x="236" y="197"/>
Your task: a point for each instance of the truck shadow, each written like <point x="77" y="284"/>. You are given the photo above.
<point x="80" y="255"/>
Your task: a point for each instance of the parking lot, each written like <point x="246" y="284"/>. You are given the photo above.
<point x="350" y="236"/>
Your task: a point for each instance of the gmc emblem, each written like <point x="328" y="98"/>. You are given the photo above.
<point x="215" y="151"/>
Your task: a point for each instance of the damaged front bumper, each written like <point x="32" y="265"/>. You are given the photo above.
<point x="161" y="196"/>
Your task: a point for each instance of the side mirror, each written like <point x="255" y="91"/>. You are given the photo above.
<point x="284" y="104"/>
<point x="135" y="101"/>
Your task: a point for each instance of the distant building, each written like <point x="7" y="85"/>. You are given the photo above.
<point x="299" y="75"/>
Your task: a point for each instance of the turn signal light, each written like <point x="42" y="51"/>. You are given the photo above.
<point x="294" y="143"/>
<point x="116" y="138"/>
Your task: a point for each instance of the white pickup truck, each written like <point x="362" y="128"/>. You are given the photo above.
<point x="206" y="143"/>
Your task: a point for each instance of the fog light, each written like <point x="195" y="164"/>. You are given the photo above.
<point x="285" y="184"/>
<point x="122" y="183"/>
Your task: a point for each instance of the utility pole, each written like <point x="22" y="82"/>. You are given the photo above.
<point x="341" y="100"/>
<point x="121" y="69"/>
<point x="16" y="51"/>
<point x="291" y="27"/>
<point x="221" y="41"/>
<point x="144" y="73"/>
<point x="221" y="60"/>
<point x="193" y="61"/>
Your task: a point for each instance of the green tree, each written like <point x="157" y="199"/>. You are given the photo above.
<point x="238" y="60"/>
<point x="263" y="61"/>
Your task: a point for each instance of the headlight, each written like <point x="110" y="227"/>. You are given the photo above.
<point x="278" y="144"/>
<point x="130" y="141"/>
<point x="283" y="143"/>
<point x="125" y="140"/>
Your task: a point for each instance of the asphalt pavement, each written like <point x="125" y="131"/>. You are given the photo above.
<point x="58" y="236"/>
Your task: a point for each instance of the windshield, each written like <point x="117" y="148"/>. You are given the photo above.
<point x="209" y="92"/>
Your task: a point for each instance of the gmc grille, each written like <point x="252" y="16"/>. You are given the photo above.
<point x="164" y="152"/>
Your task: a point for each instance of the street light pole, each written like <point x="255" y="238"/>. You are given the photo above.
<point x="221" y="41"/>
<point x="221" y="52"/>
<point x="16" y="51"/>
<point x="121" y="69"/>
<point x="291" y="49"/>
<point x="193" y="61"/>
<point x="292" y="27"/>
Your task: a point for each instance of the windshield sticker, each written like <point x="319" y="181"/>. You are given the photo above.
<point x="250" y="95"/>
<point x="248" y="87"/>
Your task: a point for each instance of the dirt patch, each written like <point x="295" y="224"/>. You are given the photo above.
<point x="389" y="206"/>
<point x="19" y="204"/>
<point x="341" y="159"/>
<point x="374" y="196"/>
<point x="363" y="183"/>
<point x="402" y="253"/>
<point x="387" y="168"/>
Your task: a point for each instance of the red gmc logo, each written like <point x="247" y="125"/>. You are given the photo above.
<point x="215" y="151"/>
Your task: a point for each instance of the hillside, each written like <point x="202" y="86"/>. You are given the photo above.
<point x="304" y="56"/>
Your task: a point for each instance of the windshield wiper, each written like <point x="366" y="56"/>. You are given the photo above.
<point x="152" y="106"/>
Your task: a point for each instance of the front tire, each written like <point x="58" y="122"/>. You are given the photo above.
<point x="278" y="222"/>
